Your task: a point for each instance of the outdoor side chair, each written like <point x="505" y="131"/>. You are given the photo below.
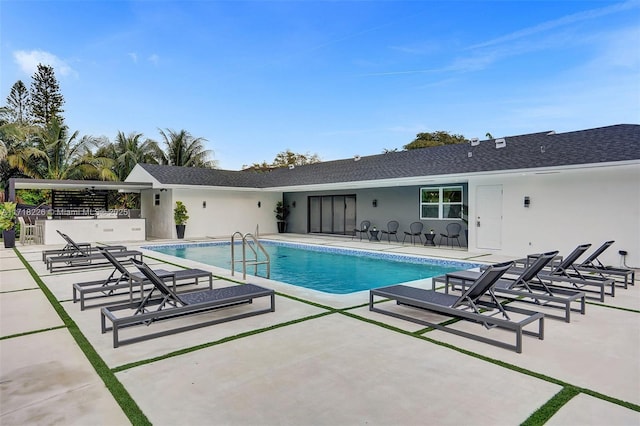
<point x="415" y="230"/>
<point x="27" y="232"/>
<point x="453" y="232"/>
<point x="468" y="306"/>
<point x="364" y="228"/>
<point x="170" y="305"/>
<point x="392" y="229"/>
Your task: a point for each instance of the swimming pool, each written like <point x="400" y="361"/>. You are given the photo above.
<point x="327" y="269"/>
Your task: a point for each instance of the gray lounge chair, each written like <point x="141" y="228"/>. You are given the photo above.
<point x="73" y="248"/>
<point x="170" y="305"/>
<point x="466" y="307"/>
<point x="563" y="273"/>
<point x="593" y="265"/>
<point x="120" y="283"/>
<point x="80" y="258"/>
<point x="525" y="287"/>
<point x="566" y="275"/>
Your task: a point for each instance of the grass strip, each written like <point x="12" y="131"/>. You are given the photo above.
<point x="614" y="307"/>
<point x="26" y="333"/>
<point x="120" y="394"/>
<point x="308" y="302"/>
<point x="551" y="407"/>
<point x="503" y="364"/>
<point x="216" y="342"/>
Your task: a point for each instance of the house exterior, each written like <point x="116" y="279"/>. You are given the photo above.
<point x="514" y="195"/>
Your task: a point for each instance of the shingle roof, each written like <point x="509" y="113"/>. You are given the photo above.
<point x="537" y="150"/>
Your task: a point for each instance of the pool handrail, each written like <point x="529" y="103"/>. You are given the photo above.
<point x="255" y="262"/>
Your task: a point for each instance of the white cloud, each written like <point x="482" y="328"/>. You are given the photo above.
<point x="133" y="56"/>
<point x="561" y="22"/>
<point x="28" y="62"/>
<point x="154" y="59"/>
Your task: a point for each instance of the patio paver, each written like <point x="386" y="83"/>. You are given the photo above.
<point x="308" y="370"/>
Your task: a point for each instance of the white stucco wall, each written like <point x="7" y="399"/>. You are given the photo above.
<point x="568" y="209"/>
<point x="159" y="222"/>
<point x="225" y="213"/>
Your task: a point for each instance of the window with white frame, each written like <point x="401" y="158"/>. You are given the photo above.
<point x="441" y="202"/>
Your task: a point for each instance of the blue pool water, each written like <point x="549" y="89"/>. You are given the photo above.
<point x="327" y="269"/>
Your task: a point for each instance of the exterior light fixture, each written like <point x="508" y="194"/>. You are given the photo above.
<point x="374" y="203"/>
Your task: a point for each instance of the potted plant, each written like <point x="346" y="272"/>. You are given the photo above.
<point x="8" y="223"/>
<point x="180" y="217"/>
<point x="281" y="212"/>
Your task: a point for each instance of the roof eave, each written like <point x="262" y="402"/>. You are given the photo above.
<point x="435" y="179"/>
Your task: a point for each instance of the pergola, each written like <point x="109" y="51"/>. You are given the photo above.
<point x="76" y="196"/>
<point x="74" y="185"/>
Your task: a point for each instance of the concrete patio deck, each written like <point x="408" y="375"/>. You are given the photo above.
<point x="319" y="359"/>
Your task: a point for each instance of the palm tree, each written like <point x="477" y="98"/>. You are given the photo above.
<point x="56" y="155"/>
<point x="185" y="150"/>
<point x="129" y="150"/>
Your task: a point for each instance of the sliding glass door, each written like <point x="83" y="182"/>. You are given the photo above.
<point x="332" y="214"/>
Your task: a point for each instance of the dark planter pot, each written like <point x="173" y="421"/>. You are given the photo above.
<point x="9" y="237"/>
<point x="180" y="231"/>
<point x="282" y="226"/>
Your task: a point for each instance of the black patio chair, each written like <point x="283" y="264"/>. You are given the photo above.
<point x="364" y="228"/>
<point x="392" y="229"/>
<point x="415" y="230"/>
<point x="453" y="232"/>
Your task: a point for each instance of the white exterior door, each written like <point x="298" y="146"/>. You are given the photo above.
<point x="489" y="216"/>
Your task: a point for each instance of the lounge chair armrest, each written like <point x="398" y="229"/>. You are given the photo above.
<point x="114" y="248"/>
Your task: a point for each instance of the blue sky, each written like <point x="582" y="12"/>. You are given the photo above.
<point x="336" y="78"/>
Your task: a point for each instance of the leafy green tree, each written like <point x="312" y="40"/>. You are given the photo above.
<point x="46" y="99"/>
<point x="17" y="108"/>
<point x="58" y="155"/>
<point x="14" y="139"/>
<point x="288" y="157"/>
<point x="284" y="159"/>
<point x="437" y="138"/>
<point x="182" y="149"/>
